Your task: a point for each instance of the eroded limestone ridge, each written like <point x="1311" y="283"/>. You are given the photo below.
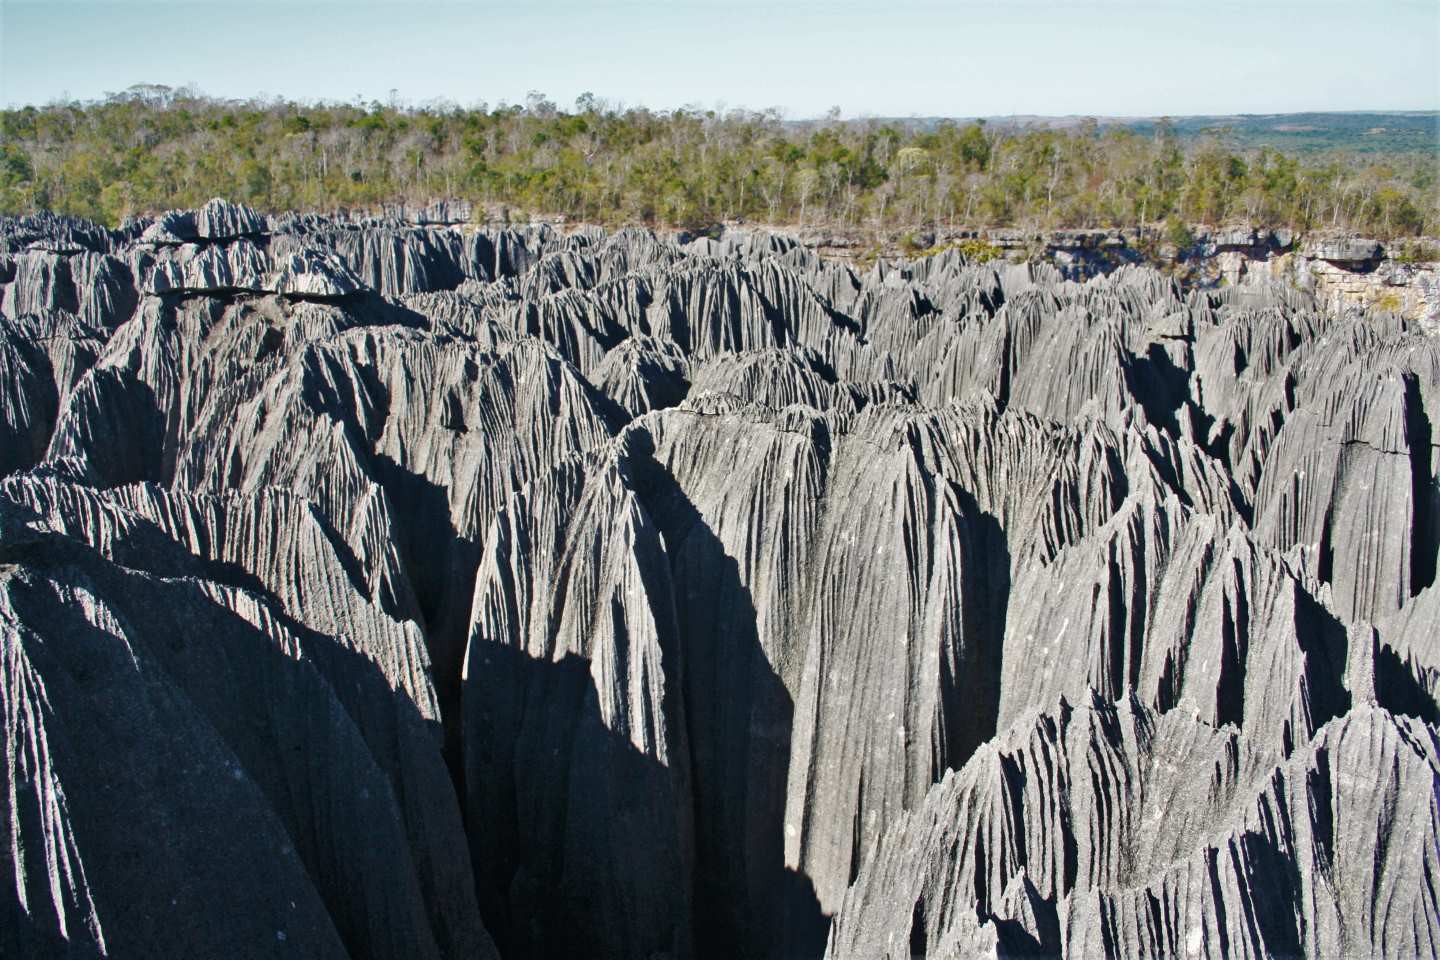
<point x="373" y="588"/>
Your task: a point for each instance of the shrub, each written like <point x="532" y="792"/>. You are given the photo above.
<point x="1418" y="251"/>
<point x="1177" y="233"/>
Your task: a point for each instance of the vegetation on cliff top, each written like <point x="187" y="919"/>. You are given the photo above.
<point x="153" y="148"/>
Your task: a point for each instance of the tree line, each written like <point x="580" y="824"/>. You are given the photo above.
<point x="153" y="148"/>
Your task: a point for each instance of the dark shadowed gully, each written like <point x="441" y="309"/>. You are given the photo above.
<point x="380" y="589"/>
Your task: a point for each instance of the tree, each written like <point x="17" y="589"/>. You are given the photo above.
<point x="806" y="180"/>
<point x="975" y="147"/>
<point x="154" y="148"/>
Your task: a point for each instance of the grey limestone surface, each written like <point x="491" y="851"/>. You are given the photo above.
<point x="388" y="587"/>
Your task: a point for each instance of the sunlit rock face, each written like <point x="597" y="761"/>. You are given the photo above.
<point x="391" y="587"/>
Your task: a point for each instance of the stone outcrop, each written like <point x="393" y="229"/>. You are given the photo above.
<point x="1353" y="252"/>
<point x="1342" y="272"/>
<point x="379" y="585"/>
<point x="1100" y="830"/>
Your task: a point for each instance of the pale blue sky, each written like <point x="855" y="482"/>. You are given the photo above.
<point x="898" y="57"/>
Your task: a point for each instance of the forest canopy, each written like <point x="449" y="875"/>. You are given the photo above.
<point x="153" y="148"/>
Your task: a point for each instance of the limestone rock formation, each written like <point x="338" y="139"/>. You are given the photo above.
<point x="1349" y="252"/>
<point x="376" y="585"/>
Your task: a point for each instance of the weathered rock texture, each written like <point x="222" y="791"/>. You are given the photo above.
<point x="384" y="587"/>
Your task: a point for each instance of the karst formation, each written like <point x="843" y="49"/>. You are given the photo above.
<point x="383" y="586"/>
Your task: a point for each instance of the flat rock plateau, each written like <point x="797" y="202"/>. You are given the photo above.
<point x="378" y="589"/>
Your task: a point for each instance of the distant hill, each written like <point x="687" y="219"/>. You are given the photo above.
<point x="1315" y="132"/>
<point x="1305" y="133"/>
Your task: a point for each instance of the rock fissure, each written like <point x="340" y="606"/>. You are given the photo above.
<point x="456" y="593"/>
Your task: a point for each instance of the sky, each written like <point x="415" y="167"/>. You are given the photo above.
<point x="959" y="58"/>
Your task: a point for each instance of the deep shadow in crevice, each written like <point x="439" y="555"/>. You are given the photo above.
<point x="1276" y="894"/>
<point x="1424" y="490"/>
<point x="22" y="443"/>
<point x="1398" y="690"/>
<point x="1014" y="942"/>
<point x="1324" y="641"/>
<point x="1160" y="387"/>
<point x="440" y="565"/>
<point x="738" y="720"/>
<point x="227" y="687"/>
<point x="971" y="700"/>
<point x="919" y="939"/>
<point x="580" y="842"/>
<point x="807" y="926"/>
<point x="117" y="428"/>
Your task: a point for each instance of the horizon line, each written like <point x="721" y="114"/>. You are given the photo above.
<point x="719" y="107"/>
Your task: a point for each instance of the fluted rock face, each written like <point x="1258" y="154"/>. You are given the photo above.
<point x="217" y="220"/>
<point x="178" y="743"/>
<point x="643" y="374"/>
<point x="573" y="705"/>
<point x="1129" y="834"/>
<point x="1173" y="606"/>
<point x="379" y="586"/>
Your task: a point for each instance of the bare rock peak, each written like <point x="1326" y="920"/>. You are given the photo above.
<point x="380" y="584"/>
